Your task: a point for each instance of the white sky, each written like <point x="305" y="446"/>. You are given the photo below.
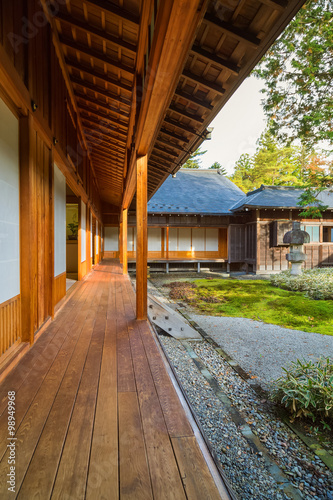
<point x="237" y="127"/>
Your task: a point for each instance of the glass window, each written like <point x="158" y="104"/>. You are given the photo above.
<point x="313" y="232"/>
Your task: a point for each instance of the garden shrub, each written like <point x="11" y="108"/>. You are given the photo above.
<point x="317" y="283"/>
<point x="306" y="389"/>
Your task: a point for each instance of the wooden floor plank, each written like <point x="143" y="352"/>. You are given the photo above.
<point x="103" y="467"/>
<point x="196" y="477"/>
<point x="73" y="468"/>
<point x="126" y="381"/>
<point x="134" y="473"/>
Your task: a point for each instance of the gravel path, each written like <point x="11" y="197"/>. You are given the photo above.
<point x="262" y="349"/>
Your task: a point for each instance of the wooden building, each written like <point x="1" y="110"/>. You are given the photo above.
<point x="199" y="218"/>
<point x="100" y="101"/>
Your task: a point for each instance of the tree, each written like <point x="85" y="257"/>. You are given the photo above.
<point x="298" y="73"/>
<point x="217" y="166"/>
<point x="195" y="159"/>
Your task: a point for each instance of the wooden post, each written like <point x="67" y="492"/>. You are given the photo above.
<point x="51" y="240"/>
<point x="28" y="229"/>
<point x="121" y="240"/>
<point x="141" y="237"/>
<point x="124" y="241"/>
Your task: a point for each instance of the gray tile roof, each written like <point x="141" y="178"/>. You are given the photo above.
<point x="195" y="192"/>
<point x="275" y="197"/>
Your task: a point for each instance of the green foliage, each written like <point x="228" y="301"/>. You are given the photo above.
<point x="298" y="75"/>
<point x="316" y="182"/>
<point x="317" y="283"/>
<point x="307" y="389"/>
<point x="195" y="159"/>
<point x="217" y="166"/>
<point x="259" y="300"/>
<point x="74" y="226"/>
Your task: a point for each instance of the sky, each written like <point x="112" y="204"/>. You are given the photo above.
<point x="237" y="127"/>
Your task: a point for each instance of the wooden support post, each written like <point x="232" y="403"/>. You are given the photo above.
<point x="51" y="240"/>
<point x="141" y="237"/>
<point x="28" y="229"/>
<point x="124" y="242"/>
<point x="121" y="241"/>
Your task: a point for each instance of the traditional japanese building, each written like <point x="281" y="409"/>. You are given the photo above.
<point x="100" y="101"/>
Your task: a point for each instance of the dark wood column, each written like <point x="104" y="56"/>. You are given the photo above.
<point x="141" y="237"/>
<point x="124" y="242"/>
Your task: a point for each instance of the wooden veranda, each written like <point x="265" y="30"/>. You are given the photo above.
<point x="97" y="415"/>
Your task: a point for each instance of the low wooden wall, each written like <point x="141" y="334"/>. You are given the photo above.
<point x="59" y="288"/>
<point x="10" y="323"/>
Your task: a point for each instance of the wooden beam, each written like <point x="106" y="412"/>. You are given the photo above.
<point x="187" y="114"/>
<point x="102" y="105"/>
<point x="108" y="149"/>
<point x="170" y="144"/>
<point x="95" y="54"/>
<point x="233" y="68"/>
<point x="162" y="157"/>
<point x="111" y="129"/>
<point x="180" y="125"/>
<point x="204" y="83"/>
<point x="100" y="91"/>
<point x="194" y="99"/>
<point x="97" y="74"/>
<point x="175" y="136"/>
<point x="241" y="35"/>
<point x="92" y="30"/>
<point x="141" y="238"/>
<point x="279" y="5"/>
<point x="103" y="116"/>
<point x="124" y="245"/>
<point x="114" y="10"/>
<point x="108" y="137"/>
<point x="110" y="157"/>
<point x="171" y="153"/>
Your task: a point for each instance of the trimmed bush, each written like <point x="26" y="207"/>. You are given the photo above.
<point x="316" y="283"/>
<point x="306" y="389"/>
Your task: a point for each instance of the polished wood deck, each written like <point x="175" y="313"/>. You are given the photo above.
<point x="97" y="415"/>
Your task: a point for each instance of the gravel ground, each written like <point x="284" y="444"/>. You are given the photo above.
<point x="262" y="349"/>
<point x="245" y="467"/>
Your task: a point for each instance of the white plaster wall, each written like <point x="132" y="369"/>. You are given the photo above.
<point x="130" y="236"/>
<point x="83" y="231"/>
<point x="212" y="239"/>
<point x="9" y="205"/>
<point x="184" y="239"/>
<point x="173" y="239"/>
<point x="111" y="239"/>
<point x="154" y="239"/>
<point x="59" y="222"/>
<point x="198" y="239"/>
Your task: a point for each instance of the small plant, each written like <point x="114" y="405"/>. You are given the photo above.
<point x="74" y="228"/>
<point x="306" y="389"/>
<point x="316" y="283"/>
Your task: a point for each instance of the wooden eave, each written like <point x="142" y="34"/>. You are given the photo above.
<point x="142" y="84"/>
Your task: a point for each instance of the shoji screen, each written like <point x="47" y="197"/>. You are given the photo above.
<point x="212" y="239"/>
<point x="9" y="205"/>
<point x="59" y="222"/>
<point x="154" y="239"/>
<point x="83" y="231"/>
<point x="111" y="239"/>
<point x="198" y="239"/>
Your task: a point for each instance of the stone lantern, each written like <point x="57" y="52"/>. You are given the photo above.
<point x="296" y="238"/>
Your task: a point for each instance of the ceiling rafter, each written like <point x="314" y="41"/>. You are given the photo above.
<point x="205" y="83"/>
<point x="102" y="105"/>
<point x="180" y="125"/>
<point x="233" y="68"/>
<point x="95" y="54"/>
<point x="111" y="141"/>
<point x="194" y="99"/>
<point x="96" y="74"/>
<point x="239" y="34"/>
<point x="104" y="117"/>
<point x="170" y="144"/>
<point x="116" y="11"/>
<point x="111" y="128"/>
<point x="185" y="113"/>
<point x="98" y="90"/>
<point x="88" y="28"/>
<point x="171" y="153"/>
<point x="174" y="136"/>
<point x="106" y="147"/>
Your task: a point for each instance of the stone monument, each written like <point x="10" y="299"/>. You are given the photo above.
<point x="296" y="238"/>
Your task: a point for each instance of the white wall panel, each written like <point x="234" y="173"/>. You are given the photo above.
<point x="212" y="239"/>
<point x="9" y="205"/>
<point x="198" y="239"/>
<point x="130" y="241"/>
<point x="154" y="239"/>
<point x="97" y="248"/>
<point x="83" y="231"/>
<point x="59" y="222"/>
<point x="173" y="239"/>
<point x="111" y="239"/>
<point x="184" y="239"/>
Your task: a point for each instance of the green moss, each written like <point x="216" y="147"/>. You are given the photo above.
<point x="259" y="300"/>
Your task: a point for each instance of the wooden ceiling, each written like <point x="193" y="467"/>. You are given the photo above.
<point x="102" y="49"/>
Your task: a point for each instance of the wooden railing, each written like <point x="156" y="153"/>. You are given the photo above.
<point x="10" y="323"/>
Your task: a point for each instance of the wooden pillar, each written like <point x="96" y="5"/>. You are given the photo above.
<point x="141" y="237"/>
<point x="28" y="229"/>
<point x="167" y="243"/>
<point x="51" y="240"/>
<point x="121" y="240"/>
<point x="124" y="240"/>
